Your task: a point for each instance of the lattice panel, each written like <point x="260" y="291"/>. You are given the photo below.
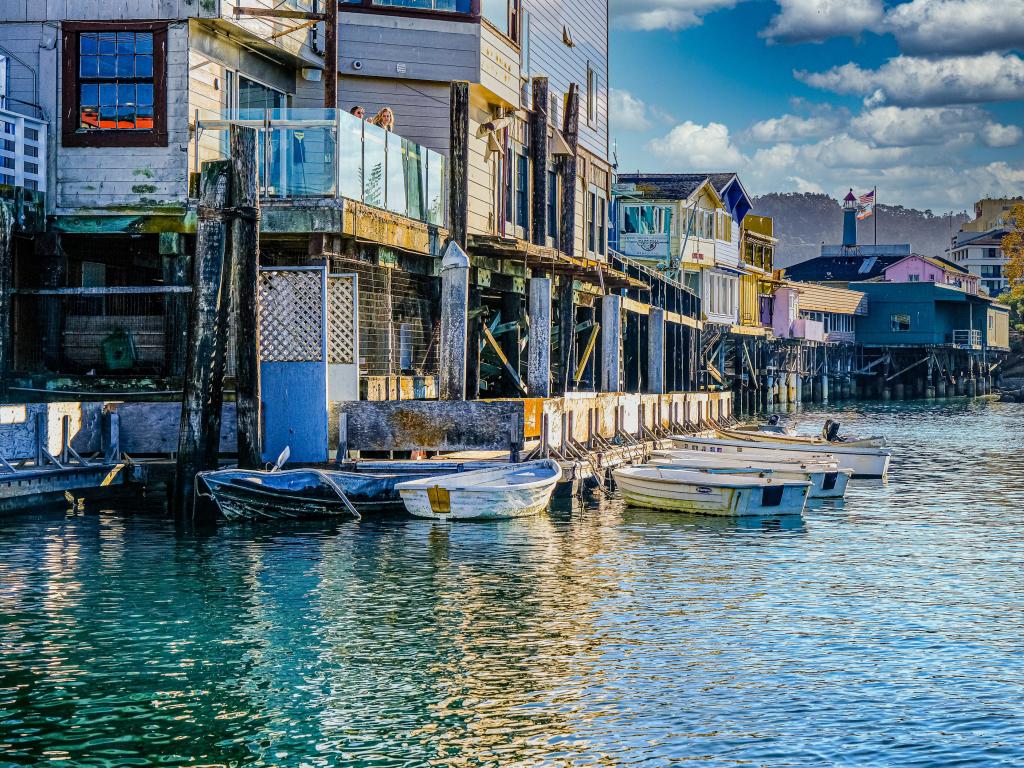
<point x="291" y="316"/>
<point x="341" y="320"/>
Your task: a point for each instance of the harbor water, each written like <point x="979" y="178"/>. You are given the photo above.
<point x="886" y="630"/>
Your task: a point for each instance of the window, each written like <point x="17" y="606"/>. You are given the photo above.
<point x="602" y="225"/>
<point x="257" y="96"/>
<point x="991" y="270"/>
<point x="555" y="110"/>
<point x="508" y="181"/>
<point x="702" y="223"/>
<point x="645" y="219"/>
<point x="522" y="194"/>
<point x="900" y="323"/>
<point x="422" y="6"/>
<point x="503" y="14"/>
<point x="591" y="221"/>
<point x="114" y="85"/>
<point x="914" y="278"/>
<point x="992" y="253"/>
<point x="591" y="95"/>
<point x="3" y="82"/>
<point x="552" y="208"/>
<point x="526" y="95"/>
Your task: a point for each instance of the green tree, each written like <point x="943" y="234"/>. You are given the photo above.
<point x="1013" y="249"/>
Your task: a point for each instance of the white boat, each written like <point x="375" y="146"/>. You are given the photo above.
<point x="827" y="480"/>
<point x="773" y="436"/>
<point x="505" y="491"/>
<point x="707" y="492"/>
<point x="865" y="461"/>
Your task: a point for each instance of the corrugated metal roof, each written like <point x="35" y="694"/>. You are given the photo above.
<point x="824" y="298"/>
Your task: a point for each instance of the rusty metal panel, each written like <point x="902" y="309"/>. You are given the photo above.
<point x="431" y="425"/>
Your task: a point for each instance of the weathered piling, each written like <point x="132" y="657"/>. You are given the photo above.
<point x="458" y="163"/>
<point x="656" y="351"/>
<point x="6" y="283"/>
<point x="538" y="349"/>
<point x="539" y="157"/>
<point x="454" y="337"/>
<point x="244" y="269"/>
<point x="203" y="392"/>
<point x="568" y="170"/>
<point x="611" y="337"/>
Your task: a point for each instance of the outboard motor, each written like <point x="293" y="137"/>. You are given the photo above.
<point x="832" y="431"/>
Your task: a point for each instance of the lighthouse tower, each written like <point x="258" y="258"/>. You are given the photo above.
<point x="850" y="221"/>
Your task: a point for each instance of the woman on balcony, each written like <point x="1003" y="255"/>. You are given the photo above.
<point x="385" y="119"/>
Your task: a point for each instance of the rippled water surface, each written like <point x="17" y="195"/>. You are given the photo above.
<point x="886" y="631"/>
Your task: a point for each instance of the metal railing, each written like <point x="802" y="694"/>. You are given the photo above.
<point x="22" y="151"/>
<point x="967" y="337"/>
<point x="331" y="153"/>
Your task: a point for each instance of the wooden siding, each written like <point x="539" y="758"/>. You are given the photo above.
<point x="106" y="10"/>
<point x="750" y="301"/>
<point x="268" y="31"/>
<point x="421" y="108"/>
<point x="429" y="49"/>
<point x="137" y="178"/>
<point x="587" y="22"/>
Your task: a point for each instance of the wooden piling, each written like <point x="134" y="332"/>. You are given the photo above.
<point x="539" y="159"/>
<point x="566" y="332"/>
<point x="6" y="285"/>
<point x="611" y="337"/>
<point x="656" y="351"/>
<point x="568" y="171"/>
<point x="177" y="271"/>
<point x="53" y="264"/>
<point x="458" y="163"/>
<point x="244" y="269"/>
<point x="538" y="350"/>
<point x="203" y="391"/>
<point x="453" y="342"/>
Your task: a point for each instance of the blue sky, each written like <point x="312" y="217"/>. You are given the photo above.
<point x="924" y="99"/>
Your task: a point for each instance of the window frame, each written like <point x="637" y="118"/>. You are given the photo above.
<point x="71" y="134"/>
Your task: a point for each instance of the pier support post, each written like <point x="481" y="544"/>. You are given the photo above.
<point x="6" y="285"/>
<point x="177" y="271"/>
<point x="656" y="351"/>
<point x="458" y="163"/>
<point x="769" y="391"/>
<point x="783" y="388"/>
<point x="568" y="169"/>
<point x="824" y="387"/>
<point x="791" y="388"/>
<point x="539" y="157"/>
<point x="244" y="269"/>
<point x="538" y="365"/>
<point x="898" y="391"/>
<point x="203" y="391"/>
<point x="53" y="262"/>
<point x="454" y="337"/>
<point x="611" y="338"/>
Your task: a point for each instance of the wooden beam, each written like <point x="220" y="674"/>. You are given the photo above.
<point x="177" y="273"/>
<point x="53" y="265"/>
<point x="539" y="159"/>
<point x="244" y="269"/>
<point x="458" y="163"/>
<point x="240" y="10"/>
<point x="568" y="172"/>
<point x="566" y="332"/>
<point x="331" y="55"/>
<point x="496" y="347"/>
<point x="202" y="398"/>
<point x="588" y="350"/>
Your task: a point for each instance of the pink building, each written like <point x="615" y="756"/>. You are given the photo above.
<point x="924" y="269"/>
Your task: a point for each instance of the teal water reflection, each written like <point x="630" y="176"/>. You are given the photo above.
<point x="882" y="631"/>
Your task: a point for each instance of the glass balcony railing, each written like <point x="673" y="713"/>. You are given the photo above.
<point x="305" y="153"/>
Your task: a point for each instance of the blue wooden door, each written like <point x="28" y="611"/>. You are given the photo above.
<point x="293" y="362"/>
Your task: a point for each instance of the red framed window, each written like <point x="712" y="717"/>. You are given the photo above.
<point x="114" y="90"/>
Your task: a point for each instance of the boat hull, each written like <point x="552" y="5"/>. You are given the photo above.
<point x="710" y="499"/>
<point x="864" y="462"/>
<point x="247" y="502"/>
<point x="501" y="493"/>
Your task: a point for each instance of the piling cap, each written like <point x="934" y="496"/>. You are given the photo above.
<point x="454" y="257"/>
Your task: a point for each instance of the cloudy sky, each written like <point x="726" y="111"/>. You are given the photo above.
<point x="924" y="99"/>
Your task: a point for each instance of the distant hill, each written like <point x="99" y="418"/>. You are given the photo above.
<point x="804" y="220"/>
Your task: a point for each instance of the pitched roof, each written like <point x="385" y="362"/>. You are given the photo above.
<point x="846" y="269"/>
<point x="669" y="186"/>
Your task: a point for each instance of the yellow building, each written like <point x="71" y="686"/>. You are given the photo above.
<point x="991" y="213"/>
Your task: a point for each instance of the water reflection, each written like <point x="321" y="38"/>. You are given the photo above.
<point x="881" y="631"/>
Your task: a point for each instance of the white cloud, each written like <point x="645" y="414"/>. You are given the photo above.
<point x="693" y="147"/>
<point x="956" y="26"/>
<point x="914" y="81"/>
<point x="790" y="127"/>
<point x="626" y="112"/>
<point x="814" y="21"/>
<point x="664" y="14"/>
<point x="998" y="135"/>
<point x="921" y="126"/>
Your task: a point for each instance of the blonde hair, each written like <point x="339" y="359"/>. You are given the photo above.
<point x="378" y="119"/>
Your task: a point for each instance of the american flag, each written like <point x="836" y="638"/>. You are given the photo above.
<point x="866" y="205"/>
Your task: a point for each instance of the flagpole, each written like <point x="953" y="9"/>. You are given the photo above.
<point x="874" y="206"/>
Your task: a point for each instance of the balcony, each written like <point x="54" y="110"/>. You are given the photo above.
<point x="811" y="330"/>
<point x="331" y="154"/>
<point x="966" y="338"/>
<point x="23" y="167"/>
